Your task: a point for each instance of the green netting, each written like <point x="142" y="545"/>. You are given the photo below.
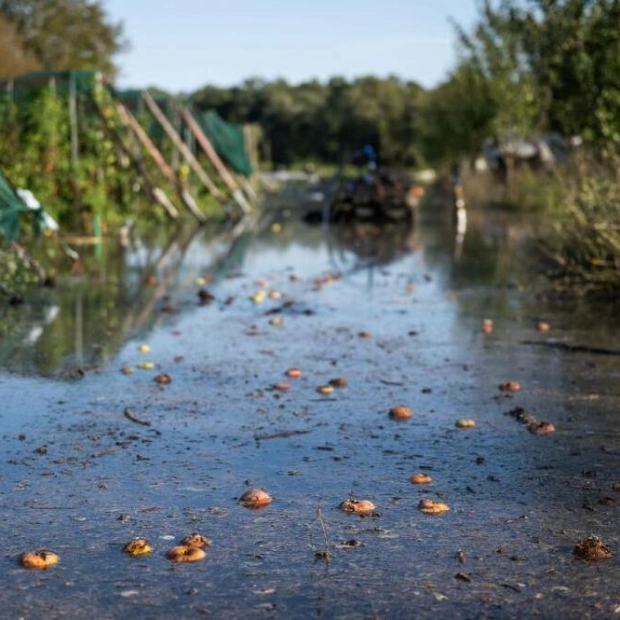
<point x="228" y="140"/>
<point x="23" y="87"/>
<point x="11" y="208"/>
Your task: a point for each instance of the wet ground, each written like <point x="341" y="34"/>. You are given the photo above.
<point x="398" y="314"/>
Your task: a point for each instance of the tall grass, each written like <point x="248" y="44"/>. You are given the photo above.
<point x="582" y="239"/>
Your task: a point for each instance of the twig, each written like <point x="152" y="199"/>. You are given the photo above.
<point x="319" y="515"/>
<point x="280" y="434"/>
<point x="573" y="348"/>
<point x="128" y="413"/>
<point x="388" y="382"/>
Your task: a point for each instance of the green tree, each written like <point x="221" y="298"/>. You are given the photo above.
<point x="14" y="57"/>
<point x="67" y="34"/>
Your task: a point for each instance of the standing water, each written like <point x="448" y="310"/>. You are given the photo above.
<point x="137" y="406"/>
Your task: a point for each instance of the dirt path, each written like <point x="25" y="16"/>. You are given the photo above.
<point x="82" y="478"/>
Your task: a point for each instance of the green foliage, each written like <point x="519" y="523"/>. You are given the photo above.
<point x="66" y="34"/>
<point x="14" y="58"/>
<point x="324" y="122"/>
<point x="36" y="153"/>
<point x="584" y="242"/>
<point x="551" y="65"/>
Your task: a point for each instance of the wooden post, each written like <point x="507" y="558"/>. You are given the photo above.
<point x="214" y="158"/>
<point x="181" y="146"/>
<point x="158" y="158"/>
<point x="157" y="194"/>
<point x="73" y="120"/>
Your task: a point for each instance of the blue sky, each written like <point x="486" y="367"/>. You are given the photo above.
<point x="183" y="45"/>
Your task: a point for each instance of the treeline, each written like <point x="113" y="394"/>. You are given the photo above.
<point x="526" y="67"/>
<point x="58" y="35"/>
<point x="325" y="122"/>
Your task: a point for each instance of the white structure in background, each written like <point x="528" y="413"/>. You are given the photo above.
<point x="28" y="198"/>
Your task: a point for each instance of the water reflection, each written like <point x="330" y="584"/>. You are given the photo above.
<point x="125" y="287"/>
<point x="121" y="288"/>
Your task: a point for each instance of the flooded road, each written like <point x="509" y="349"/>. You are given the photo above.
<point x="90" y="463"/>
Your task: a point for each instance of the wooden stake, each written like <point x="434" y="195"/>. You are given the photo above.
<point x="181" y="146"/>
<point x="158" y="158"/>
<point x="214" y="158"/>
<point x="155" y="193"/>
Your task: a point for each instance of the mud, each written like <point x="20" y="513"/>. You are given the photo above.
<point x="81" y="478"/>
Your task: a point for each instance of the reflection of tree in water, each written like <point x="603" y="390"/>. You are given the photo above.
<point x="372" y="244"/>
<point x="118" y="293"/>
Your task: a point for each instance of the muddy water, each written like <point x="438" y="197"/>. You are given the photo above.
<point x="397" y="314"/>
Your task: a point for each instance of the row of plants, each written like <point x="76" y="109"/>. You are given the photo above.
<point x="93" y="181"/>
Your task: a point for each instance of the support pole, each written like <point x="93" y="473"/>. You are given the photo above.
<point x="181" y="146"/>
<point x="214" y="158"/>
<point x="155" y="193"/>
<point x="128" y="118"/>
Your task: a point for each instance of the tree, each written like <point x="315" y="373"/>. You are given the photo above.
<point x="14" y="57"/>
<point x="551" y="64"/>
<point x="67" y="34"/>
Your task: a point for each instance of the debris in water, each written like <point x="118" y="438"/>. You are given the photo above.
<point x="138" y="546"/>
<point x="541" y="428"/>
<point x="420" y="478"/>
<point x="255" y="498"/>
<point x="592" y="549"/>
<point x="128" y="370"/>
<point x="400" y="412"/>
<point x="360" y="506"/>
<point x="431" y="507"/>
<point x="258" y="297"/>
<point x="509" y="386"/>
<point x="129" y="414"/>
<point x="38" y="560"/>
<point x="534" y="426"/>
<point x="465" y="423"/>
<point x="487" y="326"/>
<point x="182" y="553"/>
<point x="196" y="540"/>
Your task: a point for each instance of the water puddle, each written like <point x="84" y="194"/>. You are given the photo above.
<point x="95" y="461"/>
